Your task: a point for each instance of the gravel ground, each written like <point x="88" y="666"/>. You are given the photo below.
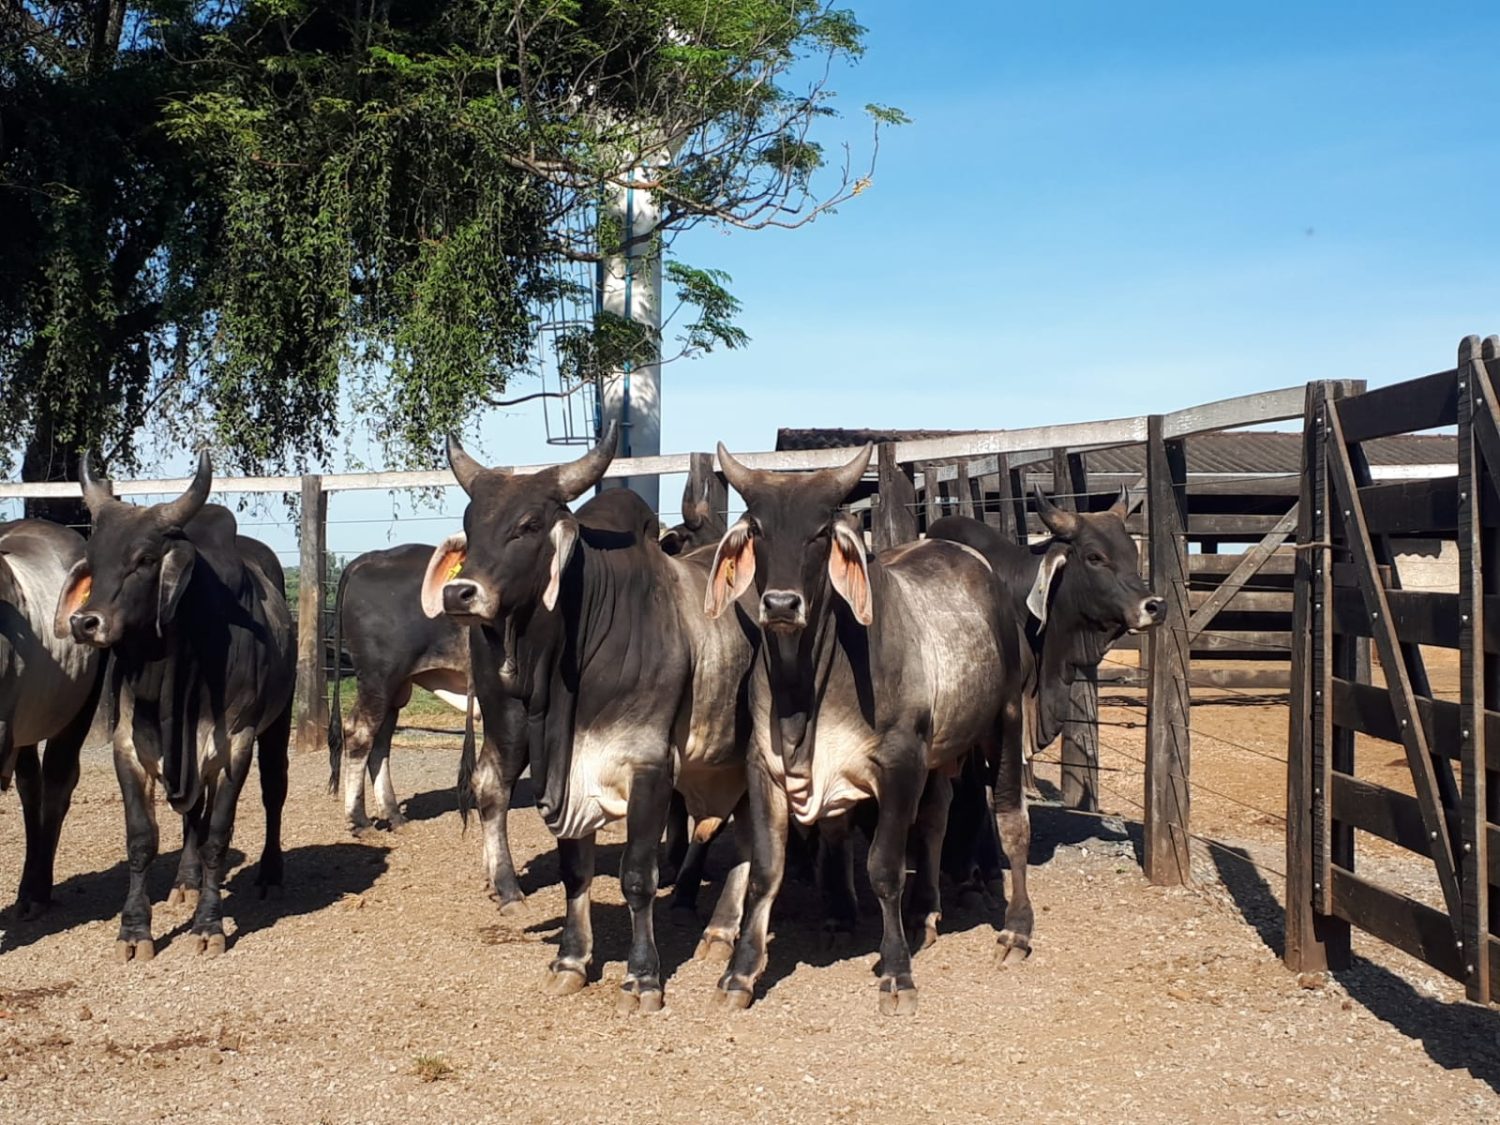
<point x="385" y="987"/>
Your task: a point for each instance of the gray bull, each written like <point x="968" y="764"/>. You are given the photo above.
<point x="201" y="667"/>
<point x="587" y="641"/>
<point x="880" y="675"/>
<point x="49" y="686"/>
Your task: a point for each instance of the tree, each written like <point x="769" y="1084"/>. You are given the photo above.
<point x="228" y="214"/>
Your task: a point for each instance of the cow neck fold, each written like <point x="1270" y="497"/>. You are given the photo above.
<point x="800" y="666"/>
<point x="602" y="603"/>
<point x="1069" y="641"/>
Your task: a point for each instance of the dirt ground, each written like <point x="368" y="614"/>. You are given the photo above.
<point x="384" y="986"/>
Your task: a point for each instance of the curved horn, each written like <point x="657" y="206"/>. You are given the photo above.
<point x="846" y="477"/>
<point x="738" y="475"/>
<point x="96" y="491"/>
<point x="577" y="477"/>
<point x="185" y="507"/>
<point x="464" y="467"/>
<point x="1063" y="524"/>
<point x="1121" y="506"/>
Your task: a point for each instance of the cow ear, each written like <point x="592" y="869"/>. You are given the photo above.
<point x="733" y="569"/>
<point x="1041" y="589"/>
<point x="447" y="560"/>
<point x="76" y="588"/>
<point x="850" y="572"/>
<point x="564" y="536"/>
<point x="176" y="573"/>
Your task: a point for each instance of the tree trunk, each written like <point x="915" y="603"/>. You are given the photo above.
<point x="48" y="460"/>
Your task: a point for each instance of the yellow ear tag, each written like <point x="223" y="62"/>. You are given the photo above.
<point x="729" y="572"/>
<point x="454" y="569"/>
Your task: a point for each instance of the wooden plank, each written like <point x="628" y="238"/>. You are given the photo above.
<point x="1271" y="643"/>
<point x="1249" y="566"/>
<point x="1402" y="408"/>
<point x="1367" y="709"/>
<point x="1427" y="508"/>
<point x="702" y="476"/>
<point x="932" y="509"/>
<point x="1229" y="413"/>
<point x="1245" y="601"/>
<point x="1479" y="676"/>
<point x="1232" y="528"/>
<point x="1383" y="812"/>
<point x="1395" y="919"/>
<point x="1168" y="737"/>
<point x="1080" y="732"/>
<point x="894" y="519"/>
<point x="1315" y="940"/>
<point x="1392" y="661"/>
<point x="1282" y="563"/>
<point x="1230" y="676"/>
<point x="310" y="721"/>
<point x="1420" y="616"/>
<point x="1012" y="480"/>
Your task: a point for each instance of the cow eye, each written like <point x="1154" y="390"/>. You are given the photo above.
<point x="145" y="561"/>
<point x="529" y="526"/>
<point x="1094" y="558"/>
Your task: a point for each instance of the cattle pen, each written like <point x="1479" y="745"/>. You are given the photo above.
<point x="1308" y="623"/>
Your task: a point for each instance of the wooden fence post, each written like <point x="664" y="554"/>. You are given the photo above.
<point x="310" y="722"/>
<point x="1314" y="941"/>
<point x="895" y="519"/>
<point x="1080" y="730"/>
<point x="1168" y="856"/>
<point x="701" y="473"/>
<point x="1012" y="485"/>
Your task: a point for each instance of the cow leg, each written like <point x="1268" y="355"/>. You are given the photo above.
<point x="366" y="720"/>
<point x="645" y="818"/>
<point x="189" y="877"/>
<point x="569" y="972"/>
<point x="675" y="847"/>
<point x="214" y="822"/>
<point x="501" y="761"/>
<point x="1015" y="838"/>
<point x="900" y="796"/>
<point x="380" y="774"/>
<point x="141" y="841"/>
<point x="768" y="824"/>
<point x="925" y="908"/>
<point x="272" y="745"/>
<point x="690" y="877"/>
<point x="835" y="876"/>
<point x="717" y="943"/>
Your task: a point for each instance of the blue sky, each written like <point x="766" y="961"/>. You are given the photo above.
<point x="1102" y="209"/>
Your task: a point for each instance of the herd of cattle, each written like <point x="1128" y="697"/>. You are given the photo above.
<point x="772" y="676"/>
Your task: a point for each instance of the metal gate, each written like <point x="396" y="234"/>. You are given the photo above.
<point x="1348" y="586"/>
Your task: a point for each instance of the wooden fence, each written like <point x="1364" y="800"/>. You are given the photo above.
<point x="973" y="463"/>
<point x="1348" y="590"/>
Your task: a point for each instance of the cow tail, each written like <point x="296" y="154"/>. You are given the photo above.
<point x="335" y="708"/>
<point x="466" y="758"/>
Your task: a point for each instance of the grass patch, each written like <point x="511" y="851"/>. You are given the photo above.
<point x="432" y="1068"/>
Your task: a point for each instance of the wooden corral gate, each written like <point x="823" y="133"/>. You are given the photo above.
<point x="1347" y="589"/>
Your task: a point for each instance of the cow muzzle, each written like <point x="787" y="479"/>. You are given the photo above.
<point x="465" y="598"/>
<point x="782" y="611"/>
<point x="1149" y="613"/>
<point x="91" y="628"/>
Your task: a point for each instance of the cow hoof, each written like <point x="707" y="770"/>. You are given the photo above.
<point x="509" y="905"/>
<point x="733" y="999"/>
<point x="714" y="948"/>
<point x="270" y="890"/>
<point x="1013" y="948"/>
<point x="210" y="945"/>
<point x="395" y="822"/>
<point x="183" y="896"/>
<point x="897" y="1000"/>
<point x="141" y="950"/>
<point x="30" y="910"/>
<point x="630" y="1002"/>
<point x="564" y="980"/>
